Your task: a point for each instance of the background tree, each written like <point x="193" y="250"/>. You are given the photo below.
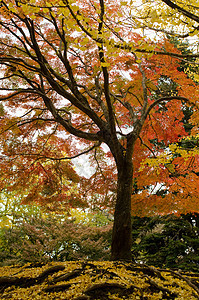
<point x="169" y="241"/>
<point x="73" y="68"/>
<point x="41" y="238"/>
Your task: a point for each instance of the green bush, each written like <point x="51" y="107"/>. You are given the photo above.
<point x="167" y="241"/>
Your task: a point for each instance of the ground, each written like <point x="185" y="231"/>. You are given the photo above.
<point x="82" y="280"/>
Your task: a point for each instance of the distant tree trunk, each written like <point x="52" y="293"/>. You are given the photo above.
<point x="122" y="231"/>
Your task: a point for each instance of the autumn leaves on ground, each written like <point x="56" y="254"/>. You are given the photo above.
<point x="97" y="280"/>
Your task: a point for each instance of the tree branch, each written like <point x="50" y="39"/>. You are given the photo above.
<point x="167" y="99"/>
<point x="182" y="10"/>
<point x="39" y="156"/>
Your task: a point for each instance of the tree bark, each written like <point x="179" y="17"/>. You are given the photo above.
<point x="122" y="228"/>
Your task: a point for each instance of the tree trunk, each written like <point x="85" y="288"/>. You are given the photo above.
<point x="122" y="230"/>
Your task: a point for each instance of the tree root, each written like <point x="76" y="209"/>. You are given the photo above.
<point x="57" y="288"/>
<point x="67" y="276"/>
<point x="126" y="280"/>
<point x="6" y="281"/>
<point x="166" y="292"/>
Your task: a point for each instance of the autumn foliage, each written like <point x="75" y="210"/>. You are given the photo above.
<point x="102" y="280"/>
<point x="77" y="76"/>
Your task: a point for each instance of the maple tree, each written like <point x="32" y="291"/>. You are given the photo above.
<point x="81" y="69"/>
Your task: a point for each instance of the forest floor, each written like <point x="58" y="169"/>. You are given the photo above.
<point x="82" y="280"/>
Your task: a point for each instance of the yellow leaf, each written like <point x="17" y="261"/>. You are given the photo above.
<point x="154" y="14"/>
<point x="45" y="10"/>
<point x="170" y="168"/>
<point x="150" y="85"/>
<point x="196" y="77"/>
<point x="123" y="2"/>
<point x="105" y="65"/>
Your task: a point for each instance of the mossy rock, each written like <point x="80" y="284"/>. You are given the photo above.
<point x="81" y="280"/>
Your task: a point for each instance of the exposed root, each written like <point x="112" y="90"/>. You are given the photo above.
<point x="99" y="280"/>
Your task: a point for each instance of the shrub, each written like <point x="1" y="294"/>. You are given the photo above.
<point x="167" y="241"/>
<point x="40" y="240"/>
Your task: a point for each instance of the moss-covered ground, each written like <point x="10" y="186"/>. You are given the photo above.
<point x="80" y="280"/>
